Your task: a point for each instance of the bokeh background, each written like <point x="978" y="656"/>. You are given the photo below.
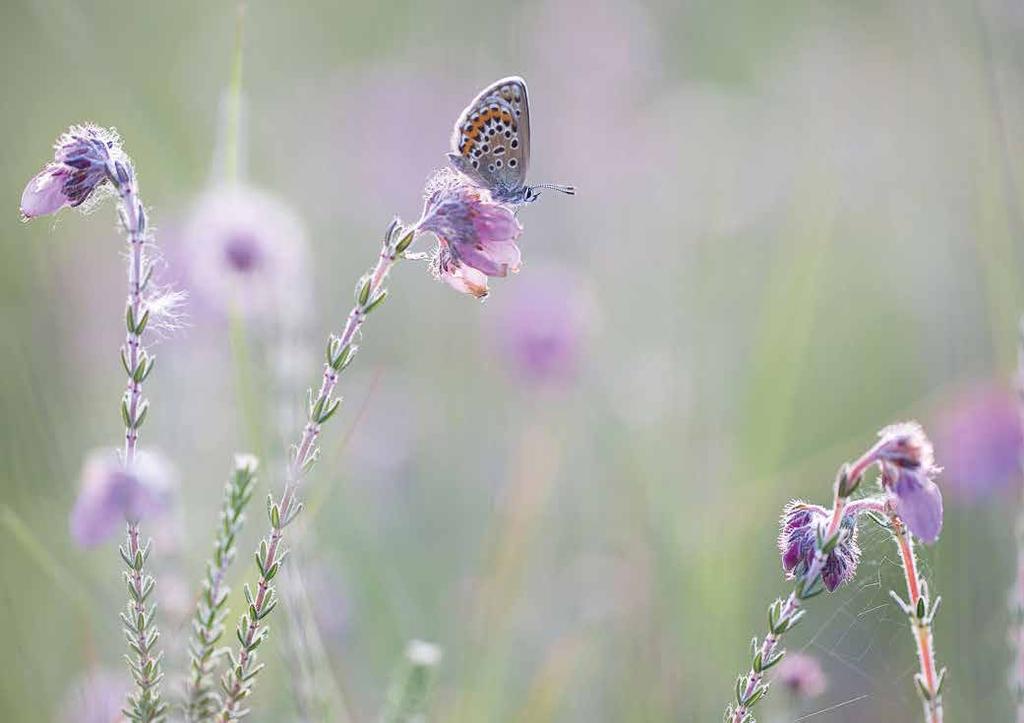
<point x="796" y="222"/>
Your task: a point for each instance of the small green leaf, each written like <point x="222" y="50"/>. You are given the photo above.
<point x="377" y="301"/>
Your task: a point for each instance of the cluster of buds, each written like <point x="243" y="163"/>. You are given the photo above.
<point x="811" y="558"/>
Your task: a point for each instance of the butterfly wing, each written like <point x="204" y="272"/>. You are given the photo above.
<point x="491" y="139"/>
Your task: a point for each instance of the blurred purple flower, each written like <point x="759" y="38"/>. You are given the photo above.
<point x="908" y="465"/>
<point x="542" y="326"/>
<point x="112" y="493"/>
<point x="246" y="252"/>
<point x="476" y="236"/>
<point x="81" y="159"/>
<point x="801" y="675"/>
<point x="800" y="525"/>
<point x="95" y="697"/>
<point x="979" y="433"/>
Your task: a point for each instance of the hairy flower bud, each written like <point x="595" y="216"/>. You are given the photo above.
<point x="800" y="526"/>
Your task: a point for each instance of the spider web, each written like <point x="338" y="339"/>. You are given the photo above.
<point x="863" y="640"/>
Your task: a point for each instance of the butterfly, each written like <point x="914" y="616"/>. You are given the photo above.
<point x="491" y="143"/>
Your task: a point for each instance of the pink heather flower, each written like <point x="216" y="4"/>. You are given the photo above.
<point x="111" y="493"/>
<point x="798" y="539"/>
<point x="95" y="697"/>
<point x="908" y="465"/>
<point x="476" y="236"/>
<point x="246" y="252"/>
<point x="979" y="432"/>
<point x="801" y="675"/>
<point x="542" y="325"/>
<point x="81" y="159"/>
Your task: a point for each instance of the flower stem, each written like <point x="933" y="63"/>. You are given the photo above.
<point x="140" y="629"/>
<point x="921" y="612"/>
<point x="237" y="682"/>
<point x="783" y="616"/>
<point x="207" y="625"/>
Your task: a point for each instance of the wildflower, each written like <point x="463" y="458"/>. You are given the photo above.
<point x="541" y="327"/>
<point x="979" y="432"/>
<point x="112" y="493"/>
<point x="423" y="654"/>
<point x="82" y="163"/>
<point x="802" y="675"/>
<point x="908" y="465"/>
<point x="95" y="697"/>
<point x="246" y="252"/>
<point x="800" y="525"/>
<point x="476" y="236"/>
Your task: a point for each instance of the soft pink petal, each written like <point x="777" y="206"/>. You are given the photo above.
<point x="44" y="194"/>
<point x="467" y="280"/>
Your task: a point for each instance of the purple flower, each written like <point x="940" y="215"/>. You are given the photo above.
<point x="112" y="493"/>
<point x="802" y="675"/>
<point x="246" y="252"/>
<point x="476" y="236"/>
<point x="800" y="525"/>
<point x="95" y="697"/>
<point x="81" y="159"/>
<point x="979" y="432"/>
<point x="908" y="465"/>
<point x="916" y="499"/>
<point x="541" y="326"/>
<point x="906" y="445"/>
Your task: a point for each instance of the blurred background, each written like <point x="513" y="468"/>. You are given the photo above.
<point x="796" y="223"/>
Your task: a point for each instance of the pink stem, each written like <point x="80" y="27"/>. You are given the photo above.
<point x="922" y="629"/>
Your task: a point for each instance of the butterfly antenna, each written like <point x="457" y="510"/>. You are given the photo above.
<point x="567" y="190"/>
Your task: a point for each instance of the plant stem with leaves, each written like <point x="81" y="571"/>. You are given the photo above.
<point x="139" y="626"/>
<point x="203" y="702"/>
<point x="783" y="616"/>
<point x="252" y="631"/>
<point x="920" y="609"/>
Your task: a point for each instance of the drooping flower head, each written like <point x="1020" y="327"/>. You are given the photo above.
<point x="801" y="675"/>
<point x="476" y="236"/>
<point x="246" y="252"/>
<point x="800" y="525"/>
<point x="908" y="466"/>
<point x="82" y="163"/>
<point x="112" y="493"/>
